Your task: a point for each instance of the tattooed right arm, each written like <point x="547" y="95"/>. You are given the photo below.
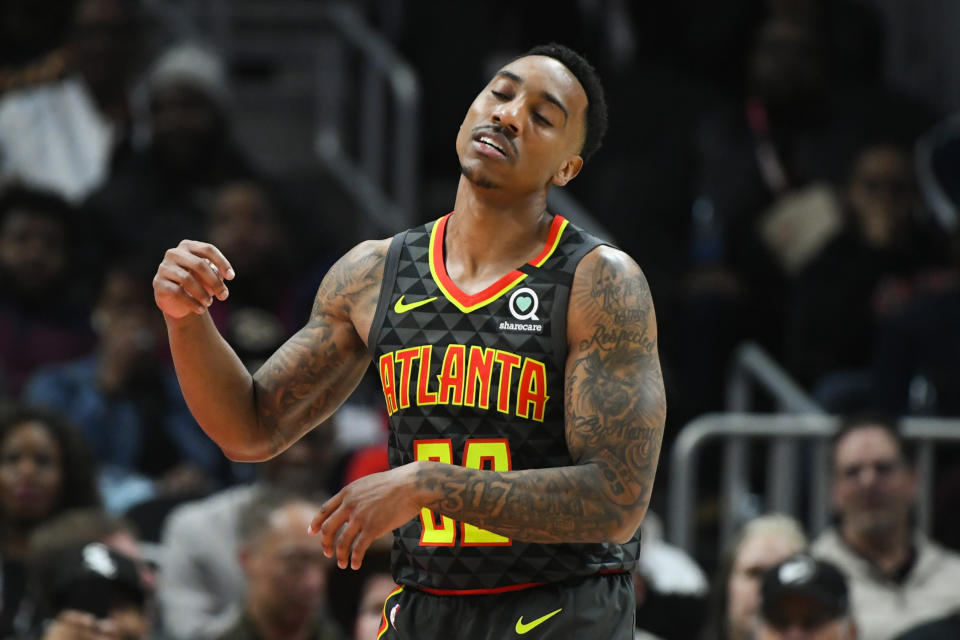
<point x="255" y="417"/>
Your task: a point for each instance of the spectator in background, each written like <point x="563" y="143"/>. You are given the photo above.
<point x="670" y="587"/>
<point x="859" y="276"/>
<point x="156" y="197"/>
<point x="735" y="599"/>
<point x="898" y="578"/>
<point x="94" y="593"/>
<point x="805" y="599"/>
<point x="58" y="542"/>
<point x="763" y="202"/>
<point x="126" y="400"/>
<point x="202" y="582"/>
<point x="32" y="38"/>
<point x="370" y="613"/>
<point x="41" y="318"/>
<point x="44" y="470"/>
<point x="915" y="365"/>
<point x="63" y="135"/>
<point x="286" y="572"/>
<point x="245" y="220"/>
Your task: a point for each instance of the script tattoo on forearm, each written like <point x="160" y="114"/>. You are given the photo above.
<point x="314" y="371"/>
<point x="615" y="412"/>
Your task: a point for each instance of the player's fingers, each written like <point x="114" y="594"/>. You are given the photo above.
<point x="345" y="539"/>
<point x="326" y="509"/>
<point x="211" y="253"/>
<point x="201" y="268"/>
<point x="360" y="545"/>
<point x="166" y="290"/>
<point x="329" y="529"/>
<point x="177" y="274"/>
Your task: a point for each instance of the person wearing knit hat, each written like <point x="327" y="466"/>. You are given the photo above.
<point x="193" y="65"/>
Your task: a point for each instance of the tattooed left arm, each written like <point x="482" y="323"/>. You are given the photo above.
<point x="615" y="411"/>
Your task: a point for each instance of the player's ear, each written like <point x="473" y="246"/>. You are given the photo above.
<point x="567" y="171"/>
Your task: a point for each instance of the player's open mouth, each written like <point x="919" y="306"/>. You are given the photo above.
<point x="490" y="143"/>
<point x="493" y="144"/>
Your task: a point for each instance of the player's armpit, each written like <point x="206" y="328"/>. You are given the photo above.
<point x="311" y="374"/>
<point x="615" y="400"/>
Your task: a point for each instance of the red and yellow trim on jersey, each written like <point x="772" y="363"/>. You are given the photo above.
<point x="470" y="302"/>
<point x="384" y="622"/>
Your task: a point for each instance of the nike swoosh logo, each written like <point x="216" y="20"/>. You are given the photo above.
<point x="523" y="628"/>
<point x="403" y="308"/>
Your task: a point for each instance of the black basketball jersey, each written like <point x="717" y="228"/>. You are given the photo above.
<point x="477" y="380"/>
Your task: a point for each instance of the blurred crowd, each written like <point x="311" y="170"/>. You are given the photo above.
<point x="784" y="171"/>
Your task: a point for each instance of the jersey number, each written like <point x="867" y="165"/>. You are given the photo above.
<point x="441" y="531"/>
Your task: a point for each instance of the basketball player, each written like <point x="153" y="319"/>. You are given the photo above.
<point x="518" y="358"/>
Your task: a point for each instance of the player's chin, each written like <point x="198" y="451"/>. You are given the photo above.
<point x="479" y="176"/>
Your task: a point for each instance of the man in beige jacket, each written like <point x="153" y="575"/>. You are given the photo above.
<point x="898" y="578"/>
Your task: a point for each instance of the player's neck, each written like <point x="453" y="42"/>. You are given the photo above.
<point x="493" y="232"/>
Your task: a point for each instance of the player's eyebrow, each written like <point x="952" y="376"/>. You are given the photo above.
<point x="549" y="97"/>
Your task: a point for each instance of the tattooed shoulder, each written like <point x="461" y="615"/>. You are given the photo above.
<point x="610" y="304"/>
<point x="352" y="284"/>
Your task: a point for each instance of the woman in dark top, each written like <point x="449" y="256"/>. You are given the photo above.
<point x="44" y="470"/>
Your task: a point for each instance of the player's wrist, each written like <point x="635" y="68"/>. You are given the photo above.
<point x="424" y="483"/>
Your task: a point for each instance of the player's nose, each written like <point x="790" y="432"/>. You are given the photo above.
<point x="507" y="114"/>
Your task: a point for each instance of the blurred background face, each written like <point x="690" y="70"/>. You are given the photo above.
<point x="881" y="194"/>
<point x="187" y="126"/>
<point x="286" y="569"/>
<point x="799" y="618"/>
<point x="785" y="66"/>
<point x="244" y="225"/>
<point x="124" y="307"/>
<point x="105" y="43"/>
<point x="301" y="467"/>
<point x="755" y="555"/>
<point x="32" y="250"/>
<point x="31" y="475"/>
<point x="873" y="487"/>
<point x="370" y="613"/>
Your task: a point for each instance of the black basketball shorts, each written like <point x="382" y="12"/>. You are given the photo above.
<point x="600" y="607"/>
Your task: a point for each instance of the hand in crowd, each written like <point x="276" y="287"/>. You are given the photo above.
<point x="190" y="276"/>
<point x="77" y="625"/>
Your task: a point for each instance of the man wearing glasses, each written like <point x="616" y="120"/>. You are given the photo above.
<point x="898" y="578"/>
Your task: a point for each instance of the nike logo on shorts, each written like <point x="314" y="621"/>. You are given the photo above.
<point x="524" y="627"/>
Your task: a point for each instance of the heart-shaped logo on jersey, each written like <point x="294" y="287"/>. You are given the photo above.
<point x="523" y="304"/>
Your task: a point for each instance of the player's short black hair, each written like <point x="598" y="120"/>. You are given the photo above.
<point x="596" y="117"/>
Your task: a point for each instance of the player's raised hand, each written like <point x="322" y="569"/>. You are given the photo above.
<point x="190" y="276"/>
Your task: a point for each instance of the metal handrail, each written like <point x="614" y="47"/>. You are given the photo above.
<point x="388" y="198"/>
<point x="752" y="366"/>
<point x="812" y="427"/>
<point x="752" y="363"/>
<point x="391" y="209"/>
